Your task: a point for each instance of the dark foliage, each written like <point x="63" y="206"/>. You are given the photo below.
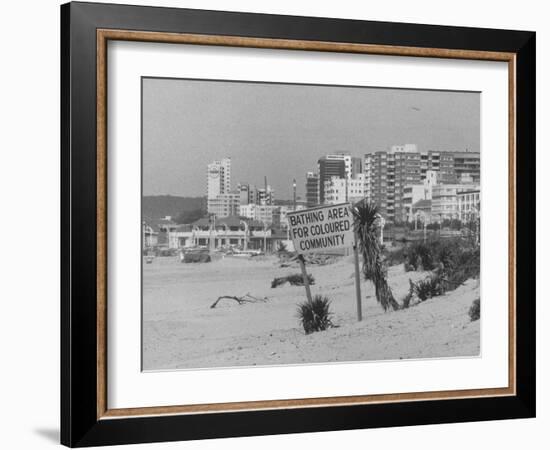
<point x="419" y="257"/>
<point x="159" y="206"/>
<point x="189" y="216"/>
<point x="395" y="256"/>
<point x="455" y="260"/>
<point x="196" y="257"/>
<point x="295" y="279"/>
<point x="315" y="315"/>
<point x="462" y="267"/>
<point x="474" y="311"/>
<point x="428" y="288"/>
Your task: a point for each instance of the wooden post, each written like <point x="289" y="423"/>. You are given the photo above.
<point x="357" y="279"/>
<point x="304" y="275"/>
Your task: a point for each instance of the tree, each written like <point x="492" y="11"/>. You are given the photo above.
<point x="189" y="216"/>
<point x="365" y="222"/>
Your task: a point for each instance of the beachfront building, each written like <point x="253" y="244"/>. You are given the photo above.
<point x="422" y="210"/>
<point x="413" y="193"/>
<point x="149" y="236"/>
<point x="220" y="201"/>
<point x="213" y="233"/>
<point x="312" y="189"/>
<point x="250" y="194"/>
<point x="218" y="178"/>
<point x="224" y="205"/>
<point x="466" y="167"/>
<point x="445" y="200"/>
<point x="156" y="231"/>
<point x="343" y="190"/>
<point x="468" y="204"/>
<point x="335" y="191"/>
<point x="268" y="214"/>
<point x="356" y="188"/>
<point x="388" y="173"/>
<point x="247" y="193"/>
<point x="330" y="166"/>
<point x="340" y="165"/>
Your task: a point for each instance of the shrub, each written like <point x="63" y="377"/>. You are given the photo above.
<point x="474" y="310"/>
<point x="419" y="257"/>
<point x="464" y="266"/>
<point x="295" y="279"/>
<point x="281" y="247"/>
<point x="428" y="288"/>
<point x="395" y="256"/>
<point x="196" y="257"/>
<point x="314" y="315"/>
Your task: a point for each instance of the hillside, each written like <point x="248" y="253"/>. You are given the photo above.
<point x="158" y="206"/>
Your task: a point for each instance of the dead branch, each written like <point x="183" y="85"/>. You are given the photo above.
<point x="240" y="300"/>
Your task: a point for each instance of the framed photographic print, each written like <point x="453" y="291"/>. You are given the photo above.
<point x="276" y="224"/>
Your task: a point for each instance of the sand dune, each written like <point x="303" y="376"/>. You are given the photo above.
<point x="180" y="330"/>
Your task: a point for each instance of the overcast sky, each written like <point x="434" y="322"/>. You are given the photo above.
<point x="281" y="130"/>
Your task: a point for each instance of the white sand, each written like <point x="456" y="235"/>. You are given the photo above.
<point x="180" y="330"/>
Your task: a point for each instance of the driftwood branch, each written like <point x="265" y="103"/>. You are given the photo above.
<point x="240" y="300"/>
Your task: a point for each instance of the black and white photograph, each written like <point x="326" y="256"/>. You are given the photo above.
<point x="297" y="224"/>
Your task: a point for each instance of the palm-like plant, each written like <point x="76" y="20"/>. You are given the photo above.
<point x="365" y="221"/>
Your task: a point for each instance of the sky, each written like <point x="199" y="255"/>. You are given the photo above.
<point x="281" y="130"/>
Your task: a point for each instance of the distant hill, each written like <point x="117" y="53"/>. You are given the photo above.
<point x="158" y="206"/>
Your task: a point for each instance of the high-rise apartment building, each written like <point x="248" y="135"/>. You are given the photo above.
<point x="387" y="173"/>
<point x="218" y="178"/>
<point x="312" y="189"/>
<point x="251" y="195"/>
<point x="340" y="165"/>
<point x="265" y="196"/>
<point x="247" y="193"/>
<point x="330" y="166"/>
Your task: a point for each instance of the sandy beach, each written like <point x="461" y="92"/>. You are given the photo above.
<point x="180" y="330"/>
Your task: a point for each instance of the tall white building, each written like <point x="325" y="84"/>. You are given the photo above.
<point x="341" y="190"/>
<point x="341" y="165"/>
<point x="218" y="178"/>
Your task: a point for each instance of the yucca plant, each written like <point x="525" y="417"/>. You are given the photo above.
<point x="315" y="314"/>
<point x="282" y="247"/>
<point x="365" y="222"/>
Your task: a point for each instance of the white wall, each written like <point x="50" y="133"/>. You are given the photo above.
<point x="29" y="188"/>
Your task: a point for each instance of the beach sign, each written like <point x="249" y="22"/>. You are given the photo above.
<point x="321" y="229"/>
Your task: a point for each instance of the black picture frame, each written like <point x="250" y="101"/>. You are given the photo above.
<point x="80" y="425"/>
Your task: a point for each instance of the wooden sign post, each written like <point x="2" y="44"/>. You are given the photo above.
<point x="305" y="277"/>
<point x="357" y="279"/>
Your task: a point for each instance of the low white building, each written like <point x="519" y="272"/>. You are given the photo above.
<point x="225" y="232"/>
<point x="445" y="200"/>
<point x="468" y="204"/>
